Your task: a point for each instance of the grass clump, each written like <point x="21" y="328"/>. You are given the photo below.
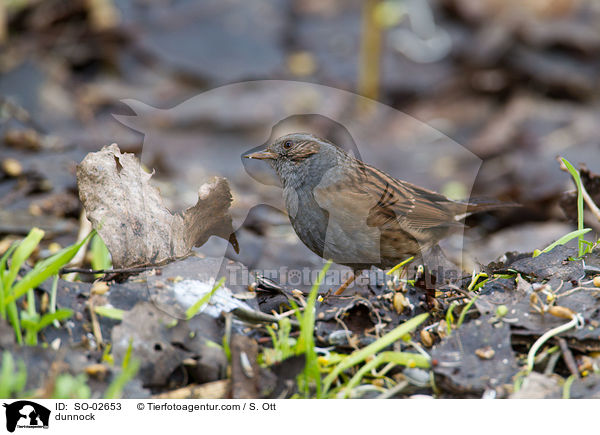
<point x="370" y="352"/>
<point x="310" y="381"/>
<point x="13" y="288"/>
<point x="311" y="375"/>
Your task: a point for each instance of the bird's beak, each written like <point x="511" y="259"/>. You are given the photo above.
<point x="262" y="155"/>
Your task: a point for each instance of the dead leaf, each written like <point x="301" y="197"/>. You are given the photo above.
<point x="128" y="213"/>
<point x="477" y="356"/>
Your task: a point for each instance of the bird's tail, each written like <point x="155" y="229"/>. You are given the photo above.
<point x="482" y="205"/>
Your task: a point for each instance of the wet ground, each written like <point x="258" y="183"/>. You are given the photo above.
<point x="504" y="88"/>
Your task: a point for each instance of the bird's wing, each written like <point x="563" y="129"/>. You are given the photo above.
<point x="388" y="203"/>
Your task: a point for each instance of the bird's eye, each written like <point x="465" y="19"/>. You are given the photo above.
<point x="287" y="144"/>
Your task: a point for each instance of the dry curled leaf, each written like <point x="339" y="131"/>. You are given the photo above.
<point x="128" y="213"/>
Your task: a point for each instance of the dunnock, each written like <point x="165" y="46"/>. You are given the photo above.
<point x="354" y="214"/>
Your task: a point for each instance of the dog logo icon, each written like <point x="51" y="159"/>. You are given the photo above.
<point x="26" y="414"/>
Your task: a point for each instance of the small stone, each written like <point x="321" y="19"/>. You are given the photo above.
<point x="98" y="371"/>
<point x="100" y="288"/>
<point x="26" y="139"/>
<point x="54" y="247"/>
<point x="399" y="302"/>
<point x="302" y="64"/>
<point x="426" y="338"/>
<point x="55" y="344"/>
<point x="35" y="210"/>
<point x="501" y="311"/>
<point x="485" y="352"/>
<point x="12" y="167"/>
<point x="562" y="312"/>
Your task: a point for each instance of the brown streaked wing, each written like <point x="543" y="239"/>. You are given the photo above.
<point x="387" y="203"/>
<point x="406" y="204"/>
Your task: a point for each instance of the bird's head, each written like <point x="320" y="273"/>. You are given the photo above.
<point x="299" y="157"/>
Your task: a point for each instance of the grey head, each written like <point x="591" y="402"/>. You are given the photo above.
<point x="301" y="159"/>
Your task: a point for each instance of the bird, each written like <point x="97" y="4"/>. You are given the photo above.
<point x="354" y="214"/>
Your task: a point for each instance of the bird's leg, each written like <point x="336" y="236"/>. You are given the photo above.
<point x="349" y="281"/>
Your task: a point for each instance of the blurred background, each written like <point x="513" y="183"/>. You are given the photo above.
<point x="476" y="97"/>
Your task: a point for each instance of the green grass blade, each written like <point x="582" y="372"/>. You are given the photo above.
<point x="463" y="313"/>
<point x="566" y="393"/>
<point x="577" y="178"/>
<point x="3" y="272"/>
<point x="52" y="306"/>
<point x="13" y="317"/>
<point x="29" y="320"/>
<point x="129" y="369"/>
<point x="360" y="355"/>
<point x="21" y="254"/>
<point x="58" y="315"/>
<point x="450" y="317"/>
<point x="30" y="333"/>
<point x="6" y="375"/>
<point x="399" y="265"/>
<point x="274" y="338"/>
<point x="399" y="358"/>
<point x="563" y="240"/>
<point x="194" y="309"/>
<point x="128" y="353"/>
<point x="110" y="312"/>
<point x="44" y="270"/>
<point x="285" y="328"/>
<point x="20" y="378"/>
<point x="101" y="259"/>
<point x="11" y="383"/>
<point x="306" y="340"/>
<point x="68" y="386"/>
<point x="115" y="389"/>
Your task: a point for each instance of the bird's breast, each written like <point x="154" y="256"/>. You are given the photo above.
<point x="332" y="232"/>
<point x="307" y="218"/>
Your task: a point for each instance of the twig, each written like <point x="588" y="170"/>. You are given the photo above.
<point x="552" y="363"/>
<point x="85" y="227"/>
<point x="467" y="294"/>
<point x="568" y="357"/>
<point x="66" y="270"/>
<point x="210" y="390"/>
<point x="95" y="324"/>
<point x="589" y="269"/>
<point x="285" y="314"/>
<point x="258" y="316"/>
<point x="394" y="390"/>
<point x="576" y="289"/>
<point x="590" y="202"/>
